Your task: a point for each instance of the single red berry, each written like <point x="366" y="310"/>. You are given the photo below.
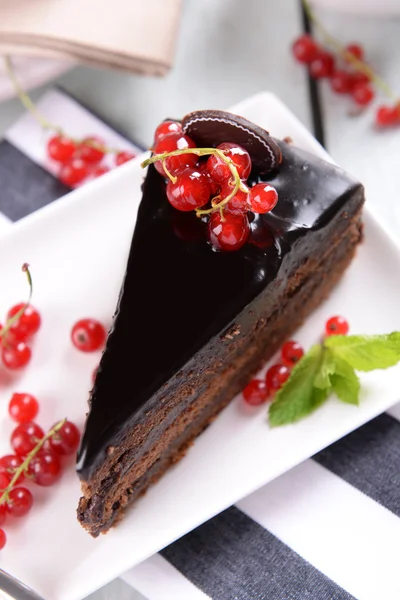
<point x="3" y="514"/>
<point x="4" y="482"/>
<point x="20" y="501"/>
<point x="356" y="50"/>
<point x="169" y="143"/>
<point x="45" y="468"/>
<point x="88" y="335"/>
<point x="190" y="191"/>
<point x="362" y="94"/>
<point x="66" y="440"/>
<point x="291" y="353"/>
<point x="276" y="376"/>
<point x="165" y="128"/>
<point x="123" y="157"/>
<point x="323" y="65"/>
<point x="305" y="49"/>
<point x="341" y="81"/>
<point x="74" y="172"/>
<point x="387" y="115"/>
<point x="8" y="466"/>
<point x="99" y="171"/>
<point x="60" y="148"/>
<point x="228" y="233"/>
<point x="358" y="77"/>
<point x="25" y="437"/>
<point x="3" y="539"/>
<point x="91" y="150"/>
<point x="23" y="407"/>
<point x="215" y="187"/>
<point x="240" y="201"/>
<point x="256" y="392"/>
<point x="16" y="356"/>
<point x="28" y="323"/>
<point x="263" y="198"/>
<point x="336" y="326"/>
<point x="219" y="169"/>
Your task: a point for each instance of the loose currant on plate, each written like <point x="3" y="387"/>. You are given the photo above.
<point x="88" y="335"/>
<point x="256" y="392"/>
<point x="15" y="356"/>
<point x="337" y="325"/>
<point x="276" y="376"/>
<point x="23" y="407"/>
<point x="291" y="353"/>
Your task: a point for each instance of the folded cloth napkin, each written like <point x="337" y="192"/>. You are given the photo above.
<point x="131" y="35"/>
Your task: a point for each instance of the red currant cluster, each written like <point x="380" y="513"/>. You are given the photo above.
<point x="258" y="391"/>
<point x="82" y="160"/>
<point x="37" y="457"/>
<point x="213" y="186"/>
<point x="345" y="78"/>
<point x="15" y="351"/>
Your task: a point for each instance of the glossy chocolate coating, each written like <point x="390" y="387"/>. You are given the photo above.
<point x="178" y="293"/>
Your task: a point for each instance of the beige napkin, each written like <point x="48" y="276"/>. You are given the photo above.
<point x="133" y="35"/>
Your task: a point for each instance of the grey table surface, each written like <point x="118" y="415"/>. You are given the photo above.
<point x="227" y="51"/>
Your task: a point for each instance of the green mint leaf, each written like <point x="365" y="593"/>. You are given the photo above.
<point x="323" y="377"/>
<point x="298" y="397"/>
<point x="345" y="382"/>
<point x="366" y="353"/>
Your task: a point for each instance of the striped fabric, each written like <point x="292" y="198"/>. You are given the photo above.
<point x="328" y="529"/>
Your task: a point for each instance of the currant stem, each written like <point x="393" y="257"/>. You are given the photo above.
<point x="358" y="64"/>
<point x="25" y="464"/>
<point x="201" y="152"/>
<point x="18" y="315"/>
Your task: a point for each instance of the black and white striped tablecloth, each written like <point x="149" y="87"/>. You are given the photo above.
<point x="329" y="529"/>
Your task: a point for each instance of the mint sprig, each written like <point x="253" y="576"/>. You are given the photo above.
<point x="331" y="367"/>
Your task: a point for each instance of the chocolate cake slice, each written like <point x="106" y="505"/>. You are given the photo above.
<point x="193" y="325"/>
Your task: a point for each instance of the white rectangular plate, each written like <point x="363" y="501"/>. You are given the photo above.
<point x="77" y="248"/>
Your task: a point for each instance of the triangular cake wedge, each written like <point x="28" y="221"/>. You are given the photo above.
<point x="193" y="325"/>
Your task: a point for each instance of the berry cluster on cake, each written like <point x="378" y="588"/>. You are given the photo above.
<point x="239" y="237"/>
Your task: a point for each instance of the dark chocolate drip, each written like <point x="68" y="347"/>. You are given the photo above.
<point x="179" y="293"/>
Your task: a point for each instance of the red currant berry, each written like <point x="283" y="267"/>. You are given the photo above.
<point x="20" y="502"/>
<point x="263" y="198"/>
<point x="60" y="148"/>
<point x="214" y="186"/>
<point x="165" y="128"/>
<point x="123" y="157"/>
<point x="28" y="323"/>
<point x="66" y="440"/>
<point x="387" y="115"/>
<point x="218" y="168"/>
<point x="190" y="191"/>
<point x="23" y="407"/>
<point x="73" y="173"/>
<point x="228" y="233"/>
<point x="358" y="77"/>
<point x="356" y="50"/>
<point x="336" y="326"/>
<point x="291" y="353"/>
<point x="239" y="202"/>
<point x="276" y="376"/>
<point x="305" y="49"/>
<point x="91" y="150"/>
<point x="88" y="335"/>
<point x="16" y="356"/>
<point x="25" y="437"/>
<point x="256" y="392"/>
<point x="9" y="464"/>
<point x="3" y="539"/>
<point x="362" y="94"/>
<point x="341" y="82"/>
<point x="45" y="468"/>
<point x="3" y="514"/>
<point x="4" y="482"/>
<point x="174" y="164"/>
<point x="99" y="171"/>
<point x="323" y="65"/>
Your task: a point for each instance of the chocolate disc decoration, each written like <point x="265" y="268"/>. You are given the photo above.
<point x="213" y="127"/>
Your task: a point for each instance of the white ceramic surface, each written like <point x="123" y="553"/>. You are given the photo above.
<point x="77" y="248"/>
<point x="362" y="7"/>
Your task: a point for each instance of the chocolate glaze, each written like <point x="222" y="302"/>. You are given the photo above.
<point x="178" y="293"/>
